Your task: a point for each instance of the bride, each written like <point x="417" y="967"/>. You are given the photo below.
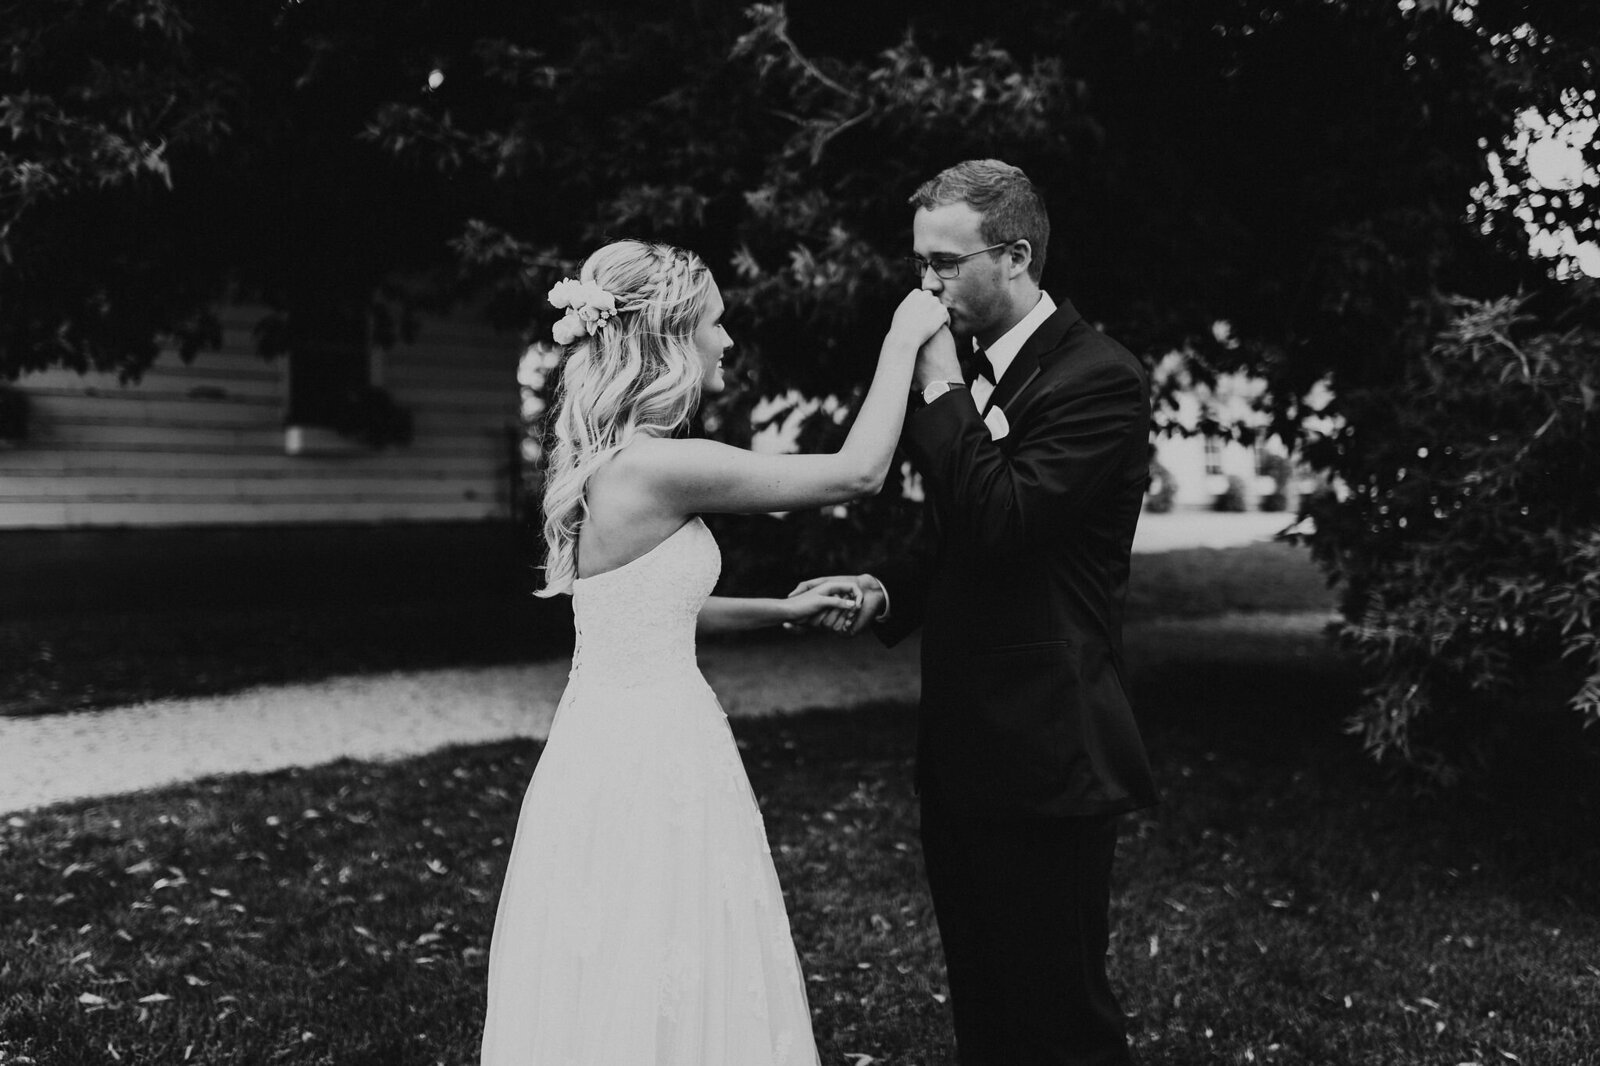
<point x="641" y="920"/>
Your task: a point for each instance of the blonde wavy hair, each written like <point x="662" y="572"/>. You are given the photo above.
<point x="638" y="375"/>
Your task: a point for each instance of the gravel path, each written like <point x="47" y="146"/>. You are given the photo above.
<point x="55" y="758"/>
<point x="60" y="757"/>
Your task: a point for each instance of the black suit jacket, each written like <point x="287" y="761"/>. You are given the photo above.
<point x="1024" y="707"/>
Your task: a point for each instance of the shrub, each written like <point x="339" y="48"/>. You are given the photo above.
<point x="1465" y="526"/>
<point x="1159" y="495"/>
<point x="1280" y="470"/>
<point x="1231" y="498"/>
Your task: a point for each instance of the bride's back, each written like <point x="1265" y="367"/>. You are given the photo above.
<point x="624" y="517"/>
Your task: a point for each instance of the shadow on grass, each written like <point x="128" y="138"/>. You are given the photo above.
<point x="87" y="660"/>
<point x="288" y="632"/>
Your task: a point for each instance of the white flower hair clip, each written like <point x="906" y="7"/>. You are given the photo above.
<point x="589" y="308"/>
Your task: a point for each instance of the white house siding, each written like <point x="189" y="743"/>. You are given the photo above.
<point x="203" y="443"/>
<point x="1185" y="461"/>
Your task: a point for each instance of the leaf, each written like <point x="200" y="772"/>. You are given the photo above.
<point x="155" y="997"/>
<point x="89" y="999"/>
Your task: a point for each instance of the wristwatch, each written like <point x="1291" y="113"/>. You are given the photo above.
<point x="935" y="389"/>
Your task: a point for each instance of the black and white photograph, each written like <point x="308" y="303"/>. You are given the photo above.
<point x="799" y="533"/>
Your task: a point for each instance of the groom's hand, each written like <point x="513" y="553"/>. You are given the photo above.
<point x="937" y="361"/>
<point x="870" y="602"/>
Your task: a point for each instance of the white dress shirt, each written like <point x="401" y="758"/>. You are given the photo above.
<point x="1004" y="351"/>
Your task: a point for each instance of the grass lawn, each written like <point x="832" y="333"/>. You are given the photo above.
<point x="1287" y="903"/>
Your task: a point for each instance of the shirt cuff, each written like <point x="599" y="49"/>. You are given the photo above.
<point x="883" y="615"/>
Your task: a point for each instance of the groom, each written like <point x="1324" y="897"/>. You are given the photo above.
<point x="1034" y="460"/>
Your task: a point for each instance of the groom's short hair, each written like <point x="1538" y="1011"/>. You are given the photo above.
<point x="1011" y="206"/>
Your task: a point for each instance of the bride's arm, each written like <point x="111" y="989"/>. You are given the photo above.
<point x="697" y="476"/>
<point x="730" y="614"/>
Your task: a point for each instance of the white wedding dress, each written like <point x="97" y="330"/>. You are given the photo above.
<point x="641" y="922"/>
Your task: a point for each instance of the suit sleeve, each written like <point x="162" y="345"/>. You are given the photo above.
<point x="905" y="579"/>
<point x="1074" y="440"/>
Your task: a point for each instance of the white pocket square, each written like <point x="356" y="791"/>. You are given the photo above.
<point x="996" y="421"/>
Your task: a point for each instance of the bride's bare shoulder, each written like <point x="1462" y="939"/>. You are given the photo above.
<point x="655" y="455"/>
<point x="645" y="463"/>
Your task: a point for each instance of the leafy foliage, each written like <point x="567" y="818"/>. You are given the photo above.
<point x="160" y="156"/>
<point x="1467" y="531"/>
<point x="1163" y="488"/>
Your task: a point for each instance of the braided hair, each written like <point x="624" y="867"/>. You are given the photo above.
<point x="637" y="375"/>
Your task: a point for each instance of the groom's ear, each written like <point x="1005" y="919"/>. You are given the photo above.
<point x="1019" y="256"/>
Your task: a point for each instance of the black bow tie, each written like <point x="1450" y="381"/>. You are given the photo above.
<point x="978" y="366"/>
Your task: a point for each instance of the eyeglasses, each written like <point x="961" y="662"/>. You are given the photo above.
<point x="947" y="266"/>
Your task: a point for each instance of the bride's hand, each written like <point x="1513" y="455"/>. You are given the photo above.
<point x="937" y="360"/>
<point x="835" y="594"/>
<point x="919" y="316"/>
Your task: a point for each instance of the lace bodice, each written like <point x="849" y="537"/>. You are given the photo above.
<point x="635" y="624"/>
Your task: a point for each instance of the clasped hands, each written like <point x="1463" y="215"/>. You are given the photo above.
<point x="859" y="601"/>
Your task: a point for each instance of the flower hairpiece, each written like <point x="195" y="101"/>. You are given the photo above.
<point x="589" y="307"/>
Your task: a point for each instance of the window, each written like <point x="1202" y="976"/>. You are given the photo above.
<point x="330" y="361"/>
<point x="1213" y="454"/>
<point x="335" y="405"/>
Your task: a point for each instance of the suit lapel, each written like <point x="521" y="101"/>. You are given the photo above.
<point x="1025" y="367"/>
